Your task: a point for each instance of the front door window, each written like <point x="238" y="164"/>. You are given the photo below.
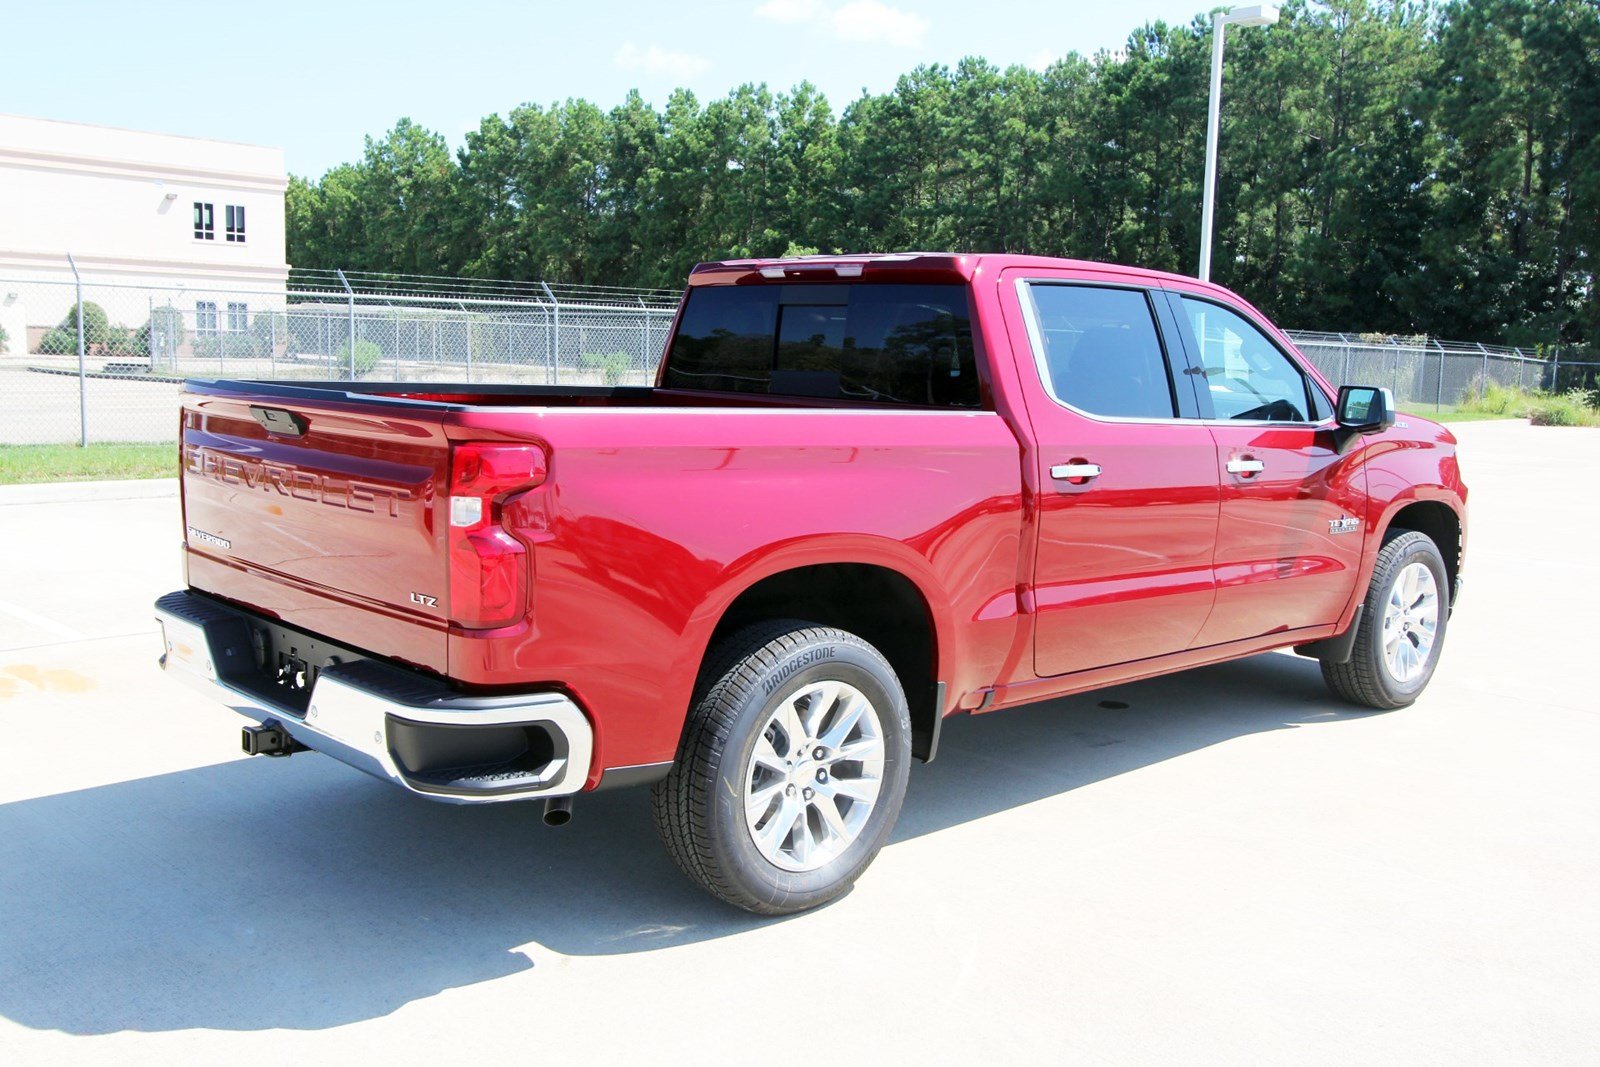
<point x="1248" y="378"/>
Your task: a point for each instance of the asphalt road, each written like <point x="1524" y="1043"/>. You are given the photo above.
<point x="1234" y="867"/>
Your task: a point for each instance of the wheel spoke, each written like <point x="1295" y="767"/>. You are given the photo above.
<point x="794" y="730"/>
<point x="861" y="750"/>
<point x="759" y="800"/>
<point x="771" y="834"/>
<point x="767" y="756"/>
<point x="801" y="844"/>
<point x="845" y="722"/>
<point x="820" y="703"/>
<point x="832" y="821"/>
<point x="864" y="790"/>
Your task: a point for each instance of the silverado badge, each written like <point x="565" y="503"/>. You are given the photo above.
<point x="200" y="536"/>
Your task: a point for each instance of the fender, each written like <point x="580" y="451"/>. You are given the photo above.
<point x="1393" y="467"/>
<point x="863" y="549"/>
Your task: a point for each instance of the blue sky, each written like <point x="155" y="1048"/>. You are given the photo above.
<point x="315" y="77"/>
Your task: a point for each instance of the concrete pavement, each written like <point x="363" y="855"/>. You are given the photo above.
<point x="1232" y="867"/>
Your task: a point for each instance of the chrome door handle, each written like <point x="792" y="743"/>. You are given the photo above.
<point x="1075" y="470"/>
<point x="1246" y="466"/>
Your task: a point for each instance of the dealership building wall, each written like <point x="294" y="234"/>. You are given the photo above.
<point x="122" y="203"/>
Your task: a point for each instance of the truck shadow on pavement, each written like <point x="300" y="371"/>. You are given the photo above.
<point x="297" y="894"/>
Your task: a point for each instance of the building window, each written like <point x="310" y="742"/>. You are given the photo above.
<point x="238" y="317"/>
<point x="235" y="221"/>
<point x="205" y="223"/>
<point x="205" y="316"/>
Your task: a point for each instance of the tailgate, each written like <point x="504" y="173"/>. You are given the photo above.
<point x="323" y="512"/>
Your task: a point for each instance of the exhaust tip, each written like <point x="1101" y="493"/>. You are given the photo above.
<point x="558" y="811"/>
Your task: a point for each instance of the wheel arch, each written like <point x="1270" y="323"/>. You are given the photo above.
<point x="1440" y="523"/>
<point x="883" y="601"/>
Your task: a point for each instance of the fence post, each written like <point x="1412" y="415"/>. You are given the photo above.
<point x="644" y="325"/>
<point x="1439" y="387"/>
<point x="350" y="295"/>
<point x="1555" y="372"/>
<point x="554" y="347"/>
<point x="1483" y="375"/>
<point x="469" y="342"/>
<point x="397" y="346"/>
<point x="83" y="381"/>
<point x="272" y="342"/>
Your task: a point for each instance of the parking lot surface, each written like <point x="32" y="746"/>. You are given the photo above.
<point x="1232" y="867"/>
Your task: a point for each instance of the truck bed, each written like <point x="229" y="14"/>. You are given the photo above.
<point x="326" y="504"/>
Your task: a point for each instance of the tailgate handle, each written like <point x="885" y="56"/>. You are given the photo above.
<point x="280" y="420"/>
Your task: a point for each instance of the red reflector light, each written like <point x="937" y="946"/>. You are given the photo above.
<point x="488" y="565"/>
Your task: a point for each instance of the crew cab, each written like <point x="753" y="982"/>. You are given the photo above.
<point x="865" y="493"/>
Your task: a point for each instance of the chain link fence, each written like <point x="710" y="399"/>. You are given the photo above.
<point x="112" y="371"/>
<point x="117" y="379"/>
<point x="1430" y="375"/>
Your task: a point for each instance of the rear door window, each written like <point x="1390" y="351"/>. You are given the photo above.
<point x="1099" y="352"/>
<point x="898" y="344"/>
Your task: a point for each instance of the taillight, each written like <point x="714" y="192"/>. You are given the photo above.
<point x="488" y="566"/>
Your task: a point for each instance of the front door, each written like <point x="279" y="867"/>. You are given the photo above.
<point x="1128" y="502"/>
<point x="1290" y="538"/>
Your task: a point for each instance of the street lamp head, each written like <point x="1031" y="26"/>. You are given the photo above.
<point x="1253" y="15"/>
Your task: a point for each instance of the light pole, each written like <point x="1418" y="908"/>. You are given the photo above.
<point x="1255" y="15"/>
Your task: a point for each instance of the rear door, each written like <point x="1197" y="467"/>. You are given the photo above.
<point x="323" y="512"/>
<point x="1289" y="540"/>
<point x="1129" y="497"/>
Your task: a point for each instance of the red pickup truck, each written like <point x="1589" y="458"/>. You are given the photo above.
<point x="864" y="494"/>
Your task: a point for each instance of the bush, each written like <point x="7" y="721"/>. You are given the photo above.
<point x="614" y="366"/>
<point x="1498" y="399"/>
<point x="58" y="342"/>
<point x="367" y="356"/>
<point x="99" y="335"/>
<point x="1575" y="407"/>
<point x="4" y="339"/>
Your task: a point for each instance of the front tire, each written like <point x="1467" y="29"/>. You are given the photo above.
<point x="1402" y="626"/>
<point x="792" y="768"/>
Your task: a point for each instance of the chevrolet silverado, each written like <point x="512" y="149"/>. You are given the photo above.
<point x="864" y="494"/>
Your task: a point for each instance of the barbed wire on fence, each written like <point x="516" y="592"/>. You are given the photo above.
<point x="140" y="341"/>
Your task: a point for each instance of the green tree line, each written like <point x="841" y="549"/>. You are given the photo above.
<point x="1386" y="166"/>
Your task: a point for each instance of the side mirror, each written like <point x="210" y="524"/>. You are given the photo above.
<point x="1365" y="409"/>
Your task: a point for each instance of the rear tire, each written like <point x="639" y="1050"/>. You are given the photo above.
<point x="792" y="767"/>
<point x="1402" y="626"/>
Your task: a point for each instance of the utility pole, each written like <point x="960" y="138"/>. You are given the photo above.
<point x="1256" y="15"/>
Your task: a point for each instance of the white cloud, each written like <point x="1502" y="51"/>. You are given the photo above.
<point x="856" y="21"/>
<point x="653" y="59"/>
<point x="871" y="22"/>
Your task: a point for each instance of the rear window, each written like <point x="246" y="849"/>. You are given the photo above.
<point x="903" y="344"/>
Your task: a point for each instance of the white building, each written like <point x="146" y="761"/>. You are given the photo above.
<point x="198" y="222"/>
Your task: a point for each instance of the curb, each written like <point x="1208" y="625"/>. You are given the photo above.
<point x="109" y="376"/>
<point x="76" y="492"/>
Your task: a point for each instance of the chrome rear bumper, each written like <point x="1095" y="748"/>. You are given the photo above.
<point x="392" y="723"/>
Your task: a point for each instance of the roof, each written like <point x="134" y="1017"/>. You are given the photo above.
<point x="916" y="266"/>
